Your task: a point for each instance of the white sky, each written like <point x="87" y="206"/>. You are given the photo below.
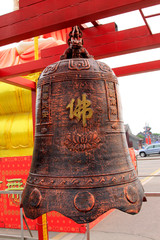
<point x="139" y="93"/>
<point x="6" y="6"/>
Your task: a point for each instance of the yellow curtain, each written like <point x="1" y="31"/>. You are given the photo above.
<point x="14" y="99"/>
<point x="16" y="125"/>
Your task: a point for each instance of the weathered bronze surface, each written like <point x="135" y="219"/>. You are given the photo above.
<point x="81" y="165"/>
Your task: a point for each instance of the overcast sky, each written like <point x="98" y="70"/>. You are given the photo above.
<point x="139" y="93"/>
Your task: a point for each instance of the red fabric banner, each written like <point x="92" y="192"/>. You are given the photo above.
<point x="13" y="175"/>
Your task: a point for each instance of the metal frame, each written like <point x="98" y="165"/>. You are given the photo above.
<point x="22" y="237"/>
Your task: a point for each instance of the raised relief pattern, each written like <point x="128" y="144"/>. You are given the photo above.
<point x="83" y="181"/>
<point x="50" y="69"/>
<point x="113" y="110"/>
<point x="82" y="142"/>
<point x="104" y="67"/>
<point x="79" y="64"/>
<point x="45" y="106"/>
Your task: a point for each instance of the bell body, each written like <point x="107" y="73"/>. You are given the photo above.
<point x="81" y="166"/>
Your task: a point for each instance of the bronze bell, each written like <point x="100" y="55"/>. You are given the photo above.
<point x="81" y="165"/>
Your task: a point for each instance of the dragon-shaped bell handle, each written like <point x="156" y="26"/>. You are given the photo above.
<point x="75" y="42"/>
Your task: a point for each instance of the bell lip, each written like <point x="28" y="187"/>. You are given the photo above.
<point x="129" y="211"/>
<point x="129" y="202"/>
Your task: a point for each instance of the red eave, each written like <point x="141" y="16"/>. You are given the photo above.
<point x="102" y="43"/>
<point x="120" y="72"/>
<point x="20" y="82"/>
<point x="137" y="68"/>
<point x="39" y="17"/>
<point x="100" y="46"/>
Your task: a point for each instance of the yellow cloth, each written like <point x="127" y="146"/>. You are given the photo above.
<point x="14" y="99"/>
<point x="16" y="125"/>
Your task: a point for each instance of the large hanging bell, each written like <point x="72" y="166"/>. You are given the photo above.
<point x="81" y="165"/>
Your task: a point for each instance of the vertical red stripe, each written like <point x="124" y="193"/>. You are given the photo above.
<point x="40" y="228"/>
<point x="33" y="110"/>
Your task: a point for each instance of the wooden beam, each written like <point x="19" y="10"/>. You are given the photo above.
<point x="23" y="3"/>
<point x="96" y="23"/>
<point x="144" y="19"/>
<point x="20" y="82"/>
<point x="101" y="46"/>
<point x="120" y="72"/>
<point x="31" y="67"/>
<point x="124" y="46"/>
<point x="51" y="15"/>
<point x="137" y="68"/>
